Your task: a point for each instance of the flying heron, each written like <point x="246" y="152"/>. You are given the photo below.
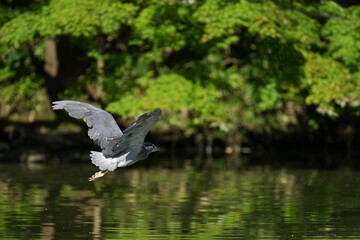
<point x="119" y="148"/>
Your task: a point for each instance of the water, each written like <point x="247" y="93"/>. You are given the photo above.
<point x="216" y="201"/>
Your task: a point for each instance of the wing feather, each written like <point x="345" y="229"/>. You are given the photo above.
<point x="102" y="125"/>
<point x="133" y="135"/>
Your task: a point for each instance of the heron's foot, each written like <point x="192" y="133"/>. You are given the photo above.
<point x="97" y="175"/>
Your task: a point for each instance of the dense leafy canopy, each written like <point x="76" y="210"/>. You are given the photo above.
<point x="213" y="66"/>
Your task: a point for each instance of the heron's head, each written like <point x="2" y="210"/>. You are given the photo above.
<point x="150" y="147"/>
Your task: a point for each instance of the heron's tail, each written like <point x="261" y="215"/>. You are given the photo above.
<point x="103" y="162"/>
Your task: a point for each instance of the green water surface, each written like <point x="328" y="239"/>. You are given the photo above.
<point x="219" y="201"/>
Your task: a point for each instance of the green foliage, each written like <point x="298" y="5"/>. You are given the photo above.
<point x="75" y="18"/>
<point x="263" y="18"/>
<point x="343" y="34"/>
<point x="170" y="92"/>
<point x="214" y="66"/>
<point x="330" y="83"/>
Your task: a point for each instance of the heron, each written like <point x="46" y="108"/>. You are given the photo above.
<point x="119" y="148"/>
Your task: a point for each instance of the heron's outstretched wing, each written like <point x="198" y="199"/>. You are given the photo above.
<point x="135" y="134"/>
<point x="102" y="125"/>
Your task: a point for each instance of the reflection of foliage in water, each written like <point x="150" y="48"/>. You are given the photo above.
<point x="149" y="203"/>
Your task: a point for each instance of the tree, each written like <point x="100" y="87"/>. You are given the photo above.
<point x="215" y="67"/>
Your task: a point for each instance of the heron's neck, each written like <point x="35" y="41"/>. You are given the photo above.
<point x="143" y="153"/>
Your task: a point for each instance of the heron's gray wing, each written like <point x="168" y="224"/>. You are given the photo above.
<point x="135" y="134"/>
<point x="102" y="125"/>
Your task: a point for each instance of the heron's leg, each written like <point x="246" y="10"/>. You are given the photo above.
<point x="97" y="175"/>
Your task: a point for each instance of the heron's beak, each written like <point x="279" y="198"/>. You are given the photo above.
<point x="157" y="149"/>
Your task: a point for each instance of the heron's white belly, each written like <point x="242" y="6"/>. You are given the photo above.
<point x="121" y="161"/>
